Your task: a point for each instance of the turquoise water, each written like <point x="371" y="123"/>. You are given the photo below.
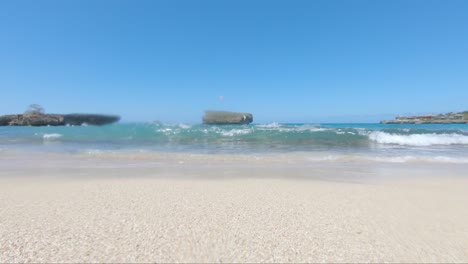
<point x="441" y="142"/>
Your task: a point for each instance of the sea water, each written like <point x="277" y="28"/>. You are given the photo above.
<point x="387" y="143"/>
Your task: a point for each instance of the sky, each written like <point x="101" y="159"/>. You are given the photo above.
<point x="282" y="61"/>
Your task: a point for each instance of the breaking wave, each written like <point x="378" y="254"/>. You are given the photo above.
<point x="400" y="143"/>
<point x="418" y="140"/>
<point x="52" y="136"/>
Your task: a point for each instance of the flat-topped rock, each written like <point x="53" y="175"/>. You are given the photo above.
<point x="226" y="118"/>
<point x="39" y="119"/>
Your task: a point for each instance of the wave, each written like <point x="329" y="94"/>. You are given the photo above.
<point x="184" y="126"/>
<point x="256" y="138"/>
<point x="52" y="136"/>
<point x="234" y="132"/>
<point x="418" y="140"/>
<point x="420" y="159"/>
<point x="294" y="158"/>
<point x="297" y="134"/>
<point x="270" y="125"/>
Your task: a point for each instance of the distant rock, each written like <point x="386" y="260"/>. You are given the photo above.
<point x="449" y="118"/>
<point x="90" y="119"/>
<point x="226" y="118"/>
<point x="5" y="120"/>
<point x="40" y="119"/>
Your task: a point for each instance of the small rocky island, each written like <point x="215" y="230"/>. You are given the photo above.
<point x="449" y="118"/>
<point x="226" y="118"/>
<point x="35" y="116"/>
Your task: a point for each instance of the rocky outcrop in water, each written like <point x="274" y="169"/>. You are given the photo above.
<point x="449" y="118"/>
<point x="90" y="119"/>
<point x="40" y="119"/>
<point x="31" y="120"/>
<point x="226" y="118"/>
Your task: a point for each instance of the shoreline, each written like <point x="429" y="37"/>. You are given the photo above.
<point x="213" y="166"/>
<point x="215" y="208"/>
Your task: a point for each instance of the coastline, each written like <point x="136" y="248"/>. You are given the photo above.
<point x="89" y="211"/>
<point x="447" y="119"/>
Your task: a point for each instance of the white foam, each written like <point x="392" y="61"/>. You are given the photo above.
<point x="317" y="129"/>
<point x="388" y="159"/>
<point x="430" y="159"/>
<point x="271" y="125"/>
<point x="234" y="132"/>
<point x="52" y="136"/>
<point x="419" y="140"/>
<point x="168" y="131"/>
<point x="362" y="131"/>
<point x="184" y="126"/>
<point x="287" y="128"/>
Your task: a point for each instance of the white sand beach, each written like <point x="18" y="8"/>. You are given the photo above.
<point x="254" y="215"/>
<point x="161" y="131"/>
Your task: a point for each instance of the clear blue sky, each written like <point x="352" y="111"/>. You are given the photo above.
<point x="284" y="61"/>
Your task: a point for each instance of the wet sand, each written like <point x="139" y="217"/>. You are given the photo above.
<point x="244" y="215"/>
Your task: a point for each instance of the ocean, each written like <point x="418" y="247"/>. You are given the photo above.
<point x="390" y="143"/>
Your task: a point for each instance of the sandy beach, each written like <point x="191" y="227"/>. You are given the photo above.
<point x="233" y="131"/>
<point x="251" y="215"/>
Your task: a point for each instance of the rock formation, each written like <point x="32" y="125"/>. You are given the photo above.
<point x="41" y="119"/>
<point x="90" y="119"/>
<point x="225" y="118"/>
<point x="449" y="118"/>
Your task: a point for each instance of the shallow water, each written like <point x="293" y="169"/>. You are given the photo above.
<point x="284" y="143"/>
